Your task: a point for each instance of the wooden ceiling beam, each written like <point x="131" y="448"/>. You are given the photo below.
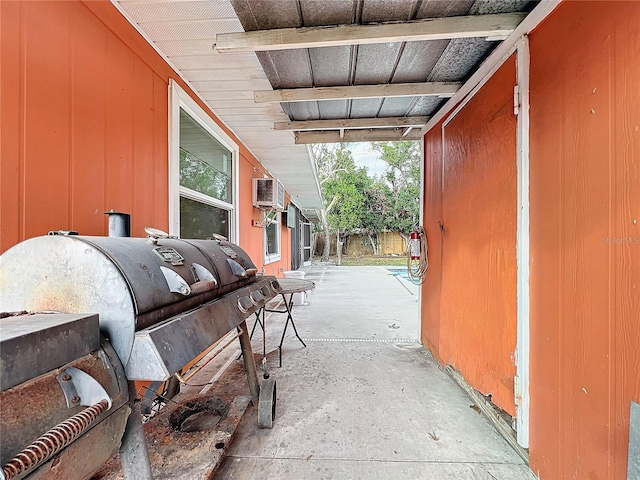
<point x="437" y="89"/>
<point x="352" y="123"/>
<point x="494" y="25"/>
<point x="375" y="135"/>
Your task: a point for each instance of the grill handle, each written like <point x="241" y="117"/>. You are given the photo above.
<point x="203" y="286"/>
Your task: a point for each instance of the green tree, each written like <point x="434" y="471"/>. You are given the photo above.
<point x="376" y="217"/>
<point x="357" y="203"/>
<point x="344" y="188"/>
<point x="403" y="177"/>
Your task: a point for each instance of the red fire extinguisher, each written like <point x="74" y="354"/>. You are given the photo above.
<point x="414" y="240"/>
<point x="417" y="261"/>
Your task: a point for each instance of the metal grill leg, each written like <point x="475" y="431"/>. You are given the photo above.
<point x="133" y="451"/>
<point x="249" y="362"/>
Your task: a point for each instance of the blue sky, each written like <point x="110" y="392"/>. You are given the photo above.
<point x="364" y="156"/>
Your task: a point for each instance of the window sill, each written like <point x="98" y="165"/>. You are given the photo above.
<point x="268" y="259"/>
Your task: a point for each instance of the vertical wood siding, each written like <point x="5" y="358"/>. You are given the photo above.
<point x="585" y="239"/>
<point x="478" y="309"/>
<point x="84" y="112"/>
<point x="585" y="246"/>
<point x="432" y="287"/>
<point x="91" y="131"/>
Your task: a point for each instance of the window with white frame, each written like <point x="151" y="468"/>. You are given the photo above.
<point x="272" y="247"/>
<point x="202" y="172"/>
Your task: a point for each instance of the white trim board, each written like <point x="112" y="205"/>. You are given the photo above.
<point x="522" y="351"/>
<point x="523" y="293"/>
<point x="180" y="99"/>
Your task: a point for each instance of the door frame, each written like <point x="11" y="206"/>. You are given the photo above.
<point x="523" y="337"/>
<point x="522" y="351"/>
<point x="303" y="246"/>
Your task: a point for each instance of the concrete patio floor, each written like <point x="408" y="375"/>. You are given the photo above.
<point x="365" y="400"/>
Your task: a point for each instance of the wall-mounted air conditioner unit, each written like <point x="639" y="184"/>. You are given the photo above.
<point x="268" y="193"/>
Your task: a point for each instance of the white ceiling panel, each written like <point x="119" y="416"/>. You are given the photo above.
<point x="184" y="32"/>
<point x="189" y="29"/>
<point x="221" y="74"/>
<point x="146" y="12"/>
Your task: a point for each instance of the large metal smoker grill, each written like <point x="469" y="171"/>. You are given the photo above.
<point x="100" y="313"/>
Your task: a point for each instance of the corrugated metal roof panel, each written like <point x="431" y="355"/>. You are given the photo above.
<point x="417" y="61"/>
<point x="287" y="68"/>
<point x="333" y="109"/>
<point x="331" y="66"/>
<point x="444" y="8"/>
<point x="365" y="107"/>
<point x="396" y="107"/>
<point x="376" y="63"/>
<point x="323" y="12"/>
<point x="484" y="7"/>
<point x="302" y="110"/>
<point x="267" y="14"/>
<point x="388" y="10"/>
<point x="426" y="106"/>
<point x="460" y="58"/>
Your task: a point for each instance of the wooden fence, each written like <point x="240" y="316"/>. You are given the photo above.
<point x="390" y="243"/>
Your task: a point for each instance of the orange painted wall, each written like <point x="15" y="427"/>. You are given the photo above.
<point x="84" y="125"/>
<point x="585" y="238"/>
<point x="432" y="208"/>
<point x="251" y="237"/>
<point x="470" y="294"/>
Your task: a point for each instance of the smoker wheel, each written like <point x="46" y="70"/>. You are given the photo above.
<point x="267" y="404"/>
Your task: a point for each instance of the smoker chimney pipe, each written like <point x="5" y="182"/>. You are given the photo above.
<point x="119" y="224"/>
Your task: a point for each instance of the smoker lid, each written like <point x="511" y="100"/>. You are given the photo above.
<point x="127" y="281"/>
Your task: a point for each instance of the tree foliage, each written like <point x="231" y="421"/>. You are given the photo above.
<point x="403" y="177"/>
<point x="357" y="203"/>
<point x="199" y="175"/>
<point x="344" y="190"/>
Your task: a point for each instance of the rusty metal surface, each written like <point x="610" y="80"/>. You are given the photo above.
<point x="53" y="441"/>
<point x="194" y="455"/>
<point x="88" y="453"/>
<point x="59" y="273"/>
<point x="30" y="409"/>
<point x="54" y="339"/>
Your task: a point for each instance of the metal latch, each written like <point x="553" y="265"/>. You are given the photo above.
<point x="237" y="269"/>
<point x="200" y="273"/>
<point x="176" y="283"/>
